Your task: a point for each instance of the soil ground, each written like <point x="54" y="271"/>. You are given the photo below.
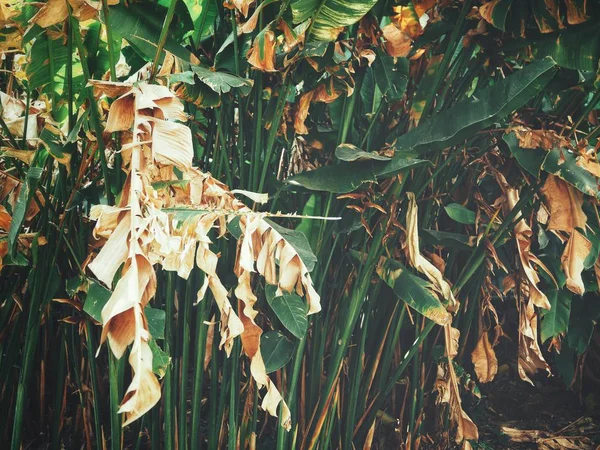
<point x="545" y="417"/>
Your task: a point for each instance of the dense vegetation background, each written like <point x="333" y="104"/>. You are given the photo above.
<point x="432" y="215"/>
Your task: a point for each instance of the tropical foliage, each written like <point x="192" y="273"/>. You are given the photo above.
<point x="332" y="211"/>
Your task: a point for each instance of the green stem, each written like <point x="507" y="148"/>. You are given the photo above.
<point x="169" y="403"/>
<point x="94" y="378"/>
<point x="163" y="37"/>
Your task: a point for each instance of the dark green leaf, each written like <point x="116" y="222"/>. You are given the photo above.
<point x="577" y="49"/>
<point x="414" y="291"/>
<point x="447" y="239"/>
<point x="290" y="309"/>
<point x="27" y="191"/>
<point x="529" y="159"/>
<point x="487" y="106"/>
<point x="346" y="176"/>
<point x="276" y="350"/>
<point x="156" y="322"/>
<point x="563" y="164"/>
<point x="555" y="320"/>
<point x="97" y="297"/>
<point x="460" y="214"/>
<point x="391" y="78"/>
<point x="585" y="312"/>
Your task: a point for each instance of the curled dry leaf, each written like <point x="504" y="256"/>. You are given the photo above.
<point x="448" y="390"/>
<point x="566" y="214"/>
<point x="577" y="249"/>
<point x="565" y="205"/>
<point x="530" y="358"/>
<point x="56" y="11"/>
<point x="484" y="359"/>
<point x="262" y="53"/>
<point x="145" y="229"/>
<point x="546" y="139"/>
<point x="523" y="235"/>
<point x="418" y="261"/>
<point x="407" y="21"/>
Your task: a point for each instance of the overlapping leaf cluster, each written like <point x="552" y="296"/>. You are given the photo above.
<point x="454" y="142"/>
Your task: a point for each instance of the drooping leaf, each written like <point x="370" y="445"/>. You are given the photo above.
<point x="276" y="350"/>
<point x="555" y="321"/>
<point x="414" y="291"/>
<point x="329" y="17"/>
<point x="484" y="359"/>
<point x="141" y="27"/>
<point x="460" y="214"/>
<point x="485" y="107"/>
<point x="447" y="239"/>
<point x="290" y="309"/>
<point x="298" y="240"/>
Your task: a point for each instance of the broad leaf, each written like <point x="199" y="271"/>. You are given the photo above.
<point x="563" y="164"/>
<point x="290" y="309"/>
<point x="97" y="297"/>
<point x="346" y="177"/>
<point x="222" y="82"/>
<point x="160" y="360"/>
<point x="391" y="78"/>
<point x="460" y="214"/>
<point x="585" y="311"/>
<point x="555" y="320"/>
<point x="28" y="189"/>
<point x="329" y="16"/>
<point x="414" y="291"/>
<point x="577" y="49"/>
<point x="276" y="350"/>
<point x="485" y="107"/>
<point x="530" y="159"/>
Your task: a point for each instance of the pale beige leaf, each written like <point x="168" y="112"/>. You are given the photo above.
<point x="114" y="252"/>
<point x="172" y="143"/>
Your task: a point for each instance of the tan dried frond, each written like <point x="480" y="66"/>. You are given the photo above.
<point x="145" y="229"/>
